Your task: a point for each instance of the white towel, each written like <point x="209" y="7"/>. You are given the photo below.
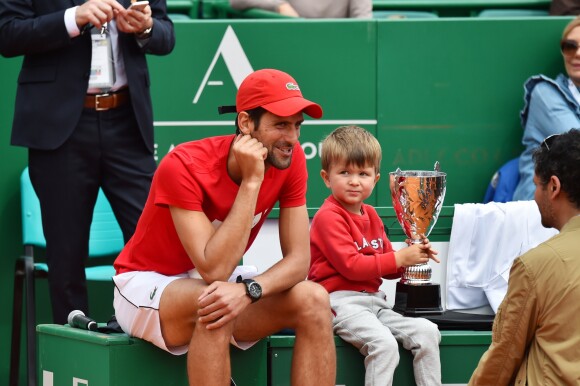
<point x="485" y="240"/>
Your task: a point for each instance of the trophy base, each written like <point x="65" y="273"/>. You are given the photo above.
<point x="418" y="300"/>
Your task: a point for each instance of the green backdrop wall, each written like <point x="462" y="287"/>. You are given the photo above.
<point x="447" y="90"/>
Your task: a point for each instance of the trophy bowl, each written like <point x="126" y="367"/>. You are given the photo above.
<point x="417" y="200"/>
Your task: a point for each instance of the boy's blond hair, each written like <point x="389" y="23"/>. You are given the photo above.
<point x="352" y="145"/>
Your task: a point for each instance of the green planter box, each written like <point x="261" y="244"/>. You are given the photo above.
<point x="70" y="356"/>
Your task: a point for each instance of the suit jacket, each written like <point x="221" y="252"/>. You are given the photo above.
<point x="55" y="71"/>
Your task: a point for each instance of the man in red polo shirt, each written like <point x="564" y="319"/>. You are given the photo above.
<point x="175" y="283"/>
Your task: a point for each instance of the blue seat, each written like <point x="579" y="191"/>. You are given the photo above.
<point x="503" y="183"/>
<point x="106" y="239"/>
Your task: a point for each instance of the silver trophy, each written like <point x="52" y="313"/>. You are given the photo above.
<point x="417" y="200"/>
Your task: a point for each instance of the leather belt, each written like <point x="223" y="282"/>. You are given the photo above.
<point x="103" y="102"/>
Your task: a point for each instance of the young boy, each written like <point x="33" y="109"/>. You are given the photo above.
<point x="350" y="255"/>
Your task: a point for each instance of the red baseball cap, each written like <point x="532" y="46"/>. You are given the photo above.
<point x="275" y="91"/>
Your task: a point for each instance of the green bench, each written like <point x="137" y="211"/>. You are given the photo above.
<point x="67" y="354"/>
<point x="455" y="8"/>
<point x="221" y="9"/>
<point x="73" y="356"/>
<point x="460" y="353"/>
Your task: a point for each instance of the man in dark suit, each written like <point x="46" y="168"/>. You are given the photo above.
<point x="86" y="125"/>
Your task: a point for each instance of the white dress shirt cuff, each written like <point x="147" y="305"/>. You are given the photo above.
<point x="71" y="23"/>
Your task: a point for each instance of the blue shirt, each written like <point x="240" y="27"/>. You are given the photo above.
<point x="550" y="108"/>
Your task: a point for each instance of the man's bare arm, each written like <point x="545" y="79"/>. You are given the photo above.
<point x="295" y="244"/>
<point x="216" y="252"/>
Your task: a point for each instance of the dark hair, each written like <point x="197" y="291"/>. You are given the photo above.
<point x="559" y="156"/>
<point x="255" y="115"/>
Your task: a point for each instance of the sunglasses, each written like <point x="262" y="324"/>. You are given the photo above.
<point x="548" y="141"/>
<point x="569" y="47"/>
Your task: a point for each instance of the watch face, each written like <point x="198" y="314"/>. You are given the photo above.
<point x="255" y="290"/>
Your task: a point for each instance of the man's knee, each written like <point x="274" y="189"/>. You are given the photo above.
<point x="314" y="296"/>
<point x="312" y="303"/>
<point x="220" y="336"/>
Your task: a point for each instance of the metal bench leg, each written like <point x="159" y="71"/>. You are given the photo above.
<point x="16" y="321"/>
<point x="30" y="320"/>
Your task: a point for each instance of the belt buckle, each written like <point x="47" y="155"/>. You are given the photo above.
<point x="97" y="97"/>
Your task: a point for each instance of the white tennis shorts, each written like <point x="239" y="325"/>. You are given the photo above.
<point x="136" y="303"/>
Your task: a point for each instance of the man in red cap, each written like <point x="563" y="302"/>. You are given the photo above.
<point x="178" y="284"/>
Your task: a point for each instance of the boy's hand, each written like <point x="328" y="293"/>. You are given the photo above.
<point x="416" y="254"/>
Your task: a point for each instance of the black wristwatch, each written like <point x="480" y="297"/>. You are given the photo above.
<point x="253" y="289"/>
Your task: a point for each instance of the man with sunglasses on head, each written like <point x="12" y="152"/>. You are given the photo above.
<point x="536" y="332"/>
<point x="552" y="106"/>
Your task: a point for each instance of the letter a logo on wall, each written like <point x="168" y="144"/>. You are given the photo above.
<point x="235" y="59"/>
